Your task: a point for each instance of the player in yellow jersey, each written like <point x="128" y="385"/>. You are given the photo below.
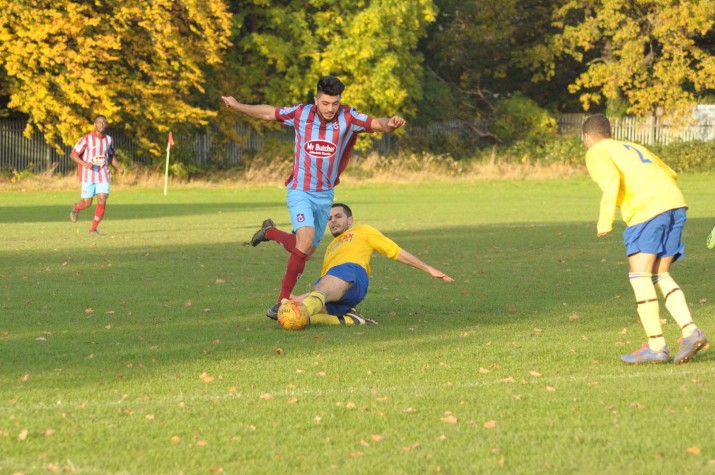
<point x="654" y="209"/>
<point x="344" y="278"/>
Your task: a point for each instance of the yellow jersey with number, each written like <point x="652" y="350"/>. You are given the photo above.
<point x="632" y="179"/>
<point x="356" y="245"/>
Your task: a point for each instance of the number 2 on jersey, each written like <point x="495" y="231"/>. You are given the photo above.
<point x="640" y="155"/>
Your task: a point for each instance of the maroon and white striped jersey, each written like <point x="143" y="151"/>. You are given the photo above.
<point x="92" y="148"/>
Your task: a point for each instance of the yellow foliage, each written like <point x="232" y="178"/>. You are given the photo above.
<point x="651" y="53"/>
<point x="139" y="63"/>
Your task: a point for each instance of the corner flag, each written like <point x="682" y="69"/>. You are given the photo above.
<point x="166" y="171"/>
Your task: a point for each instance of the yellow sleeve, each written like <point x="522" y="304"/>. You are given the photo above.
<point x="605" y="174"/>
<point x="382" y="244"/>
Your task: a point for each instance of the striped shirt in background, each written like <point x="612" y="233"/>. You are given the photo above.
<point x="90" y="147"/>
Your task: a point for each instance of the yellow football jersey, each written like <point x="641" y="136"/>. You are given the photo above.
<point x="356" y="245"/>
<point x="632" y="179"/>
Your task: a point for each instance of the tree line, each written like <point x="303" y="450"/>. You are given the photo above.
<point x="501" y="67"/>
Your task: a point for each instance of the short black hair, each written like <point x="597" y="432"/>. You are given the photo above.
<point x="597" y="125"/>
<point x="331" y="86"/>
<point x="98" y="116"/>
<point x="346" y="209"/>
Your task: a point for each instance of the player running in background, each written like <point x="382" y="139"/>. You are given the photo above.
<point x="653" y="207"/>
<point x="94" y="153"/>
<point x="344" y="278"/>
<point x="325" y="133"/>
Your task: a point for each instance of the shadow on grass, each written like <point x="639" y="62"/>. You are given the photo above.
<point x="58" y="213"/>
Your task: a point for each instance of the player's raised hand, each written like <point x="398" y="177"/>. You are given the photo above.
<point x="396" y="122"/>
<point x="229" y="101"/>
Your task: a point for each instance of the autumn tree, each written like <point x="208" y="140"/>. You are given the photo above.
<point x="142" y="64"/>
<point x="282" y="48"/>
<point x="647" y="55"/>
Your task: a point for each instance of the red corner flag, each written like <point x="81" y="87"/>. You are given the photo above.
<point x="171" y="140"/>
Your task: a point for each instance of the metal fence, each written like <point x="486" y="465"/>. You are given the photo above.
<point x="212" y="147"/>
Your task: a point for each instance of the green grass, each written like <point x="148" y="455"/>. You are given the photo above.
<point x="146" y="351"/>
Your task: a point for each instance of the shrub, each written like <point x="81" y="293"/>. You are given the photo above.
<point x="519" y="118"/>
<point x="688" y="156"/>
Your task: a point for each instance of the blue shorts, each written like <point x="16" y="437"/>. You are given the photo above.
<point x="355" y="294"/>
<point x="89" y="190"/>
<point x="659" y="235"/>
<point x="310" y="208"/>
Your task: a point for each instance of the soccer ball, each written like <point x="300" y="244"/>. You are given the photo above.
<point x="293" y="315"/>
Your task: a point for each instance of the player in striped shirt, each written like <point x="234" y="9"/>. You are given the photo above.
<point x="93" y="153"/>
<point x="325" y="133"/>
<point x="654" y="209"/>
<point x="344" y="278"/>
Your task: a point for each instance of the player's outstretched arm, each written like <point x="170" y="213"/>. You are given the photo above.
<point x="261" y="112"/>
<point x="387" y="124"/>
<point x="411" y="260"/>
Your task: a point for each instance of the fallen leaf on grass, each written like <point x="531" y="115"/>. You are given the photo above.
<point x="550" y="389"/>
<point x="483" y="370"/>
<point x="695" y="450"/>
<point x="490" y="424"/>
<point x="410" y="410"/>
<point x="206" y="378"/>
<point x="535" y="374"/>
<point x="266" y="396"/>
<point x="449" y="418"/>
<point x="220" y="281"/>
<point x="377" y="437"/>
<point x="279" y="351"/>
<point x="188" y="303"/>
<point x="292" y="400"/>
<point x="22" y="436"/>
<point x="88" y="310"/>
<point x="48" y="432"/>
<point x="175" y="439"/>
<point x="24" y="378"/>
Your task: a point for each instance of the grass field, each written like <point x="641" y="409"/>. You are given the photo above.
<point x="147" y="351"/>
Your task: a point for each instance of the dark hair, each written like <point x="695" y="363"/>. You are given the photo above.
<point x="346" y="209"/>
<point x="597" y="125"/>
<point x="330" y="85"/>
<point x="97" y="117"/>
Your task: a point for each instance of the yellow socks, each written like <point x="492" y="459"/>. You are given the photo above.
<point x="648" y="308"/>
<point x="675" y="303"/>
<point x="315" y="302"/>
<point x="327" y="319"/>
